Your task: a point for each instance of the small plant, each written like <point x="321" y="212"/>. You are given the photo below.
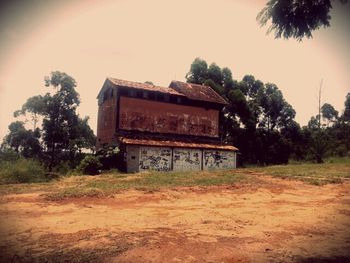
<point x="90" y="165"/>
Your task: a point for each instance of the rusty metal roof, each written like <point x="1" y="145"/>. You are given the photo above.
<point x="197" y="92"/>
<point x="143" y="86"/>
<point x="182" y="144"/>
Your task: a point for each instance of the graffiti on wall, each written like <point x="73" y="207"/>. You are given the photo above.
<point x="187" y="159"/>
<point x="155" y="158"/>
<point x="161" y="117"/>
<point x="218" y="159"/>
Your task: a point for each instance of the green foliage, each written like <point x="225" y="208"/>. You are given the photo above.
<point x="21" y="171"/>
<point x="329" y="113"/>
<point x="90" y="165"/>
<point x="111" y="157"/>
<point x="198" y="72"/>
<point x="296" y="18"/>
<point x="23" y="141"/>
<point x="255" y="114"/>
<point x="346" y="115"/>
<point x="63" y="134"/>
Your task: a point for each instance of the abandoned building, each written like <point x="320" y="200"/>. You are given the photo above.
<point x="159" y="128"/>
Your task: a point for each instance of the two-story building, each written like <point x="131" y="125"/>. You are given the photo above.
<point x="159" y="128"/>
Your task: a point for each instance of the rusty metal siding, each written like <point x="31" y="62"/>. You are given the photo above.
<point x="107" y="117"/>
<point x="185" y="159"/>
<point x="218" y="159"/>
<point x="155" y="158"/>
<point x="132" y="158"/>
<point x="160" y="117"/>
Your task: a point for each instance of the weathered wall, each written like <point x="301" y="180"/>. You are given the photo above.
<point x="187" y="159"/>
<point x="218" y="159"/>
<point x="141" y="158"/>
<point x="106" y="120"/>
<point x="160" y="117"/>
<point x="132" y="158"/>
<point x="155" y="158"/>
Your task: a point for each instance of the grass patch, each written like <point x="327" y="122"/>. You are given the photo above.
<point x="109" y="184"/>
<point x="21" y="171"/>
<point x="333" y="171"/>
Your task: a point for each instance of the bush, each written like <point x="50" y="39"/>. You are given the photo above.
<point x="90" y="165"/>
<point x="111" y="157"/>
<point x="21" y="171"/>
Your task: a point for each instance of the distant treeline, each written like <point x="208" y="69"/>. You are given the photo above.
<point x="260" y="122"/>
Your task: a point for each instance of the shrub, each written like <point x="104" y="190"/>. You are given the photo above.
<point x="90" y="165"/>
<point x="21" y="171"/>
<point x="111" y="157"/>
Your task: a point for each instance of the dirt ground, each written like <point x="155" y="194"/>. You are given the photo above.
<point x="270" y="220"/>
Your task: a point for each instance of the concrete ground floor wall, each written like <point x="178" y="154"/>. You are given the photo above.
<point x="140" y="158"/>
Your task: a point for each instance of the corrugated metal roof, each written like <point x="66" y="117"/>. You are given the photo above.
<point x="143" y="86"/>
<point x="197" y="92"/>
<point x="168" y="143"/>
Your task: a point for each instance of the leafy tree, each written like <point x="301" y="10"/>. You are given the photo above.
<point x="214" y="73"/>
<point x="319" y="145"/>
<point x="329" y="113"/>
<point x="276" y="111"/>
<point x="23" y="141"/>
<point x="296" y="18"/>
<point x="63" y="133"/>
<point x="254" y="116"/>
<point x="198" y="72"/>
<point x="34" y="106"/>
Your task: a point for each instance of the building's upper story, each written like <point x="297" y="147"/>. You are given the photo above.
<point x="182" y="110"/>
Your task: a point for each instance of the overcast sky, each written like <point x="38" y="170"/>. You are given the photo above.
<point x="157" y="40"/>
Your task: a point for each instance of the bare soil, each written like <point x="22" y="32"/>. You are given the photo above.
<point x="270" y="220"/>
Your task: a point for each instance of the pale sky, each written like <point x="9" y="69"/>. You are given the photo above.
<point x="157" y="40"/>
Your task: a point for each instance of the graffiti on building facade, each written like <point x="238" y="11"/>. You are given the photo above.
<point x="153" y="158"/>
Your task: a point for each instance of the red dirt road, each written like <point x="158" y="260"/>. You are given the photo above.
<point x="271" y="220"/>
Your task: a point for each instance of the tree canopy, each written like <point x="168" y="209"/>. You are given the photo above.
<point x="62" y="134"/>
<point x="296" y="18"/>
<point x="260" y="122"/>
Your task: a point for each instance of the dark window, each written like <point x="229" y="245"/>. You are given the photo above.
<point x="145" y="95"/>
<point x="133" y="157"/>
<point x="132" y="93"/>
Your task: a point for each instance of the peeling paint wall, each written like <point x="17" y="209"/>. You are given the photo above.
<point x="106" y="120"/>
<point x="161" y="117"/>
<point x="187" y="159"/>
<point x="155" y="158"/>
<point x="218" y="159"/>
